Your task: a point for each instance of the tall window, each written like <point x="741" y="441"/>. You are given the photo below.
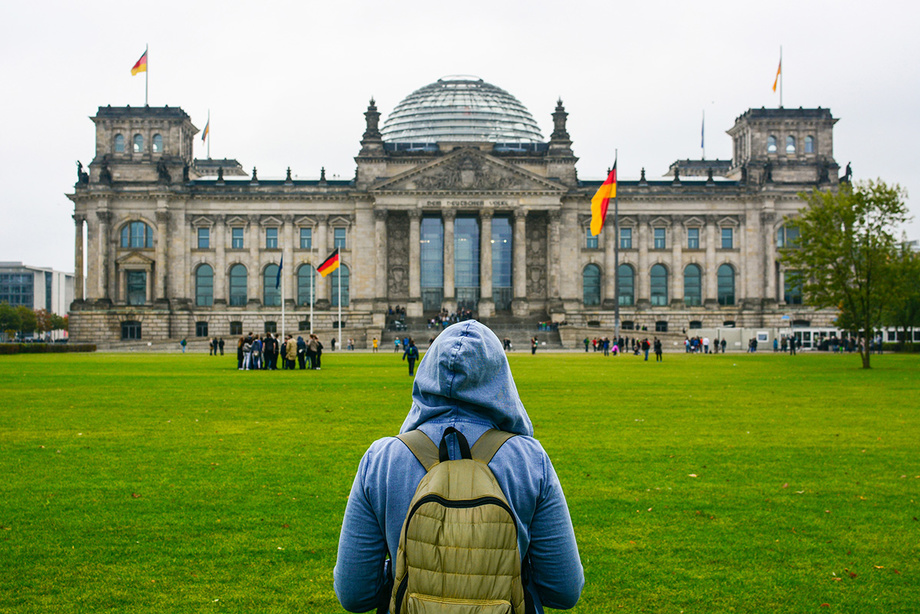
<point x="787" y="236"/>
<point x="771" y="144"/>
<point x="726" y="285"/>
<point x="659" y="238"/>
<point x="137" y="287"/>
<point x="136" y="235"/>
<point x="271" y="291"/>
<point x="271" y="238"/>
<point x="790" y="144"/>
<point x="157" y="143"/>
<point x="591" y="278"/>
<point x="809" y="144"/>
<point x="204" y="286"/>
<point x="625" y="238"/>
<point x="502" y="292"/>
<point x="431" y="253"/>
<point x="306" y="282"/>
<point x="627" y="285"/>
<point x="590" y="240"/>
<point x="340" y="273"/>
<point x="466" y="262"/>
<point x="201" y="329"/>
<point x="119" y="143"/>
<point x="659" y="285"/>
<point x="693" y="285"/>
<point x="306" y="238"/>
<point x="238" y="285"/>
<point x="338" y="238"/>
<point x="693" y="238"/>
<point x="728" y="238"/>
<point x="204" y="238"/>
<point x="236" y="238"/>
<point x="792" y="288"/>
<point x="138" y="143"/>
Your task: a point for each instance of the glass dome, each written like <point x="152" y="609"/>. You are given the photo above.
<point x="460" y="108"/>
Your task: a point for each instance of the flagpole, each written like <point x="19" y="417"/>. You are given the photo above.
<point x="209" y="134"/>
<point x="312" y="285"/>
<point x="146" y="74"/>
<point x="780" y="76"/>
<point x="703" y="134"/>
<point x="280" y="272"/>
<point x="339" y="271"/>
<point x="616" y="258"/>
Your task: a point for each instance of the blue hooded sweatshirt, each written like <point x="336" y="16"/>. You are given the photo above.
<point x="463" y="381"/>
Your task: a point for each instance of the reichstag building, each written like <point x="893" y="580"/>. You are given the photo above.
<point x="457" y="201"/>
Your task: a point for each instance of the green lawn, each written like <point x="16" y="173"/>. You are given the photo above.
<point x="730" y="483"/>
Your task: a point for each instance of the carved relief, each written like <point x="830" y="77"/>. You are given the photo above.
<point x="470" y="172"/>
<point x="397" y="256"/>
<point x="536" y="256"/>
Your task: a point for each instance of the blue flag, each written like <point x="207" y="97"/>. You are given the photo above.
<point x="280" y="267"/>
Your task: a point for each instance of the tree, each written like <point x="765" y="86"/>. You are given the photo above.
<point x="9" y="320"/>
<point x="903" y="308"/>
<point x="846" y="247"/>
<point x="27" y="320"/>
<point x="43" y="320"/>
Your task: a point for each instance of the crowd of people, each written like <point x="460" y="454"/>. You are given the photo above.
<point x="701" y="345"/>
<point x="446" y="318"/>
<point x="263" y="352"/>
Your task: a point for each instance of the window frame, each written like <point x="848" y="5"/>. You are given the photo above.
<point x="204" y="236"/>
<point x="731" y="237"/>
<point x="625" y="238"/>
<point x="693" y="237"/>
<point x="157" y="143"/>
<point x="591" y="241"/>
<point x="234" y="239"/>
<point x="340" y="242"/>
<point x="659" y="299"/>
<point x="595" y="270"/>
<point x="137" y="143"/>
<point x="660" y="238"/>
<point x="271" y="237"/>
<point x="306" y="236"/>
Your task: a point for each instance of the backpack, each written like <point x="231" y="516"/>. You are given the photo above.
<point x="458" y="549"/>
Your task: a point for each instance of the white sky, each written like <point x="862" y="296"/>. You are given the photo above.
<point x="287" y="83"/>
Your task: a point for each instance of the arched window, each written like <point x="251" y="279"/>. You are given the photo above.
<point x="157" y="143"/>
<point x="693" y="285"/>
<point x="340" y="273"/>
<point x="771" y="144"/>
<point x="659" y="288"/>
<point x="238" y="285"/>
<point x="204" y="286"/>
<point x="591" y="278"/>
<point x="119" y="143"/>
<point x="627" y="283"/>
<point x="809" y="144"/>
<point x="136" y="235"/>
<point x="790" y="144"/>
<point x="726" y="285"/>
<point x="306" y="282"/>
<point x="271" y="290"/>
<point x="138" y="143"/>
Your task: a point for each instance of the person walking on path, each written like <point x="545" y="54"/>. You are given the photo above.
<point x="645" y="347"/>
<point x="464" y="382"/>
<point x="533" y="345"/>
<point x="411" y="354"/>
<point x="183" y="343"/>
<point x="220" y="344"/>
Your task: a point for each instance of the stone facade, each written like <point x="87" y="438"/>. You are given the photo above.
<point x="171" y="248"/>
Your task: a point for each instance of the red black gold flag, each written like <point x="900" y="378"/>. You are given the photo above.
<point x="329" y="264"/>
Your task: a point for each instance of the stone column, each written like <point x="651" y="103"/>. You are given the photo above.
<point x="162" y="255"/>
<point x="380" y="245"/>
<point x="78" y="258"/>
<point x="554" y="253"/>
<point x="106" y="274"/>
<point x="322" y="245"/>
<point x="450" y="302"/>
<point x="643" y="274"/>
<point x="610" y="272"/>
<point x="253" y="278"/>
<point x="220" y="260"/>
<point x="289" y="271"/>
<point x="486" y="303"/>
<point x="710" y="270"/>
<point x="414" y="308"/>
<point x="769" y="237"/>
<point x="677" y="259"/>
<point x="519" y="257"/>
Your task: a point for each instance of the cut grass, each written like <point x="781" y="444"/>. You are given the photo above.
<point x="729" y="483"/>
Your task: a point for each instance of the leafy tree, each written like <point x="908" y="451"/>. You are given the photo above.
<point x="43" y="320"/>
<point x="845" y="251"/>
<point x="59" y="322"/>
<point x="903" y="308"/>
<point x="27" y="320"/>
<point x="9" y="319"/>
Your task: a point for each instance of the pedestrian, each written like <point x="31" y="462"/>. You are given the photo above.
<point x="412" y="354"/>
<point x="658" y="356"/>
<point x="533" y="345"/>
<point x="317" y="347"/>
<point x="182" y="344"/>
<point x="240" y="355"/>
<point x="374" y="342"/>
<point x="396" y="344"/>
<point x="645" y="347"/>
<point x="302" y="353"/>
<point x="463" y="389"/>
<point x="722" y="343"/>
<point x="220" y="344"/>
<point x="587" y="343"/>
<point x="290" y="352"/>
<point x="332" y="344"/>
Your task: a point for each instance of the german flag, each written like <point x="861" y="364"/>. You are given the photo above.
<point x="140" y="65"/>
<point x="329" y="264"/>
<point x="600" y="201"/>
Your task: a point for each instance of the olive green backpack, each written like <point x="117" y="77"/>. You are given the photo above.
<point x="458" y="548"/>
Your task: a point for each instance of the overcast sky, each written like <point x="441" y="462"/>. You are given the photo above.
<point x="287" y="83"/>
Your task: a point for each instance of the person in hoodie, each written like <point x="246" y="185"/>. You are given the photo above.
<point x="464" y="381"/>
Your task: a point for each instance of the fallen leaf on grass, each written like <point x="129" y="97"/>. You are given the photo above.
<point x="692" y="475"/>
<point x="786" y="485"/>
<point x="134" y="495"/>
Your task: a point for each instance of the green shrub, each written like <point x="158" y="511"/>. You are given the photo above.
<point x="45" y="348"/>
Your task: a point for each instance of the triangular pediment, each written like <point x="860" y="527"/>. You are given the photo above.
<point x="305" y="221"/>
<point x="135" y="259"/>
<point x="237" y="220"/>
<point x="468" y="170"/>
<point x="661" y="221"/>
<point x="728" y="221"/>
<point x="271" y="220"/>
<point x="694" y="222"/>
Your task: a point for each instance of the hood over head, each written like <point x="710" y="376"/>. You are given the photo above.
<point x="465" y="374"/>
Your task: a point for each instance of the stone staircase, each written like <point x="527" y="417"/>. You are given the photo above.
<point x="518" y="331"/>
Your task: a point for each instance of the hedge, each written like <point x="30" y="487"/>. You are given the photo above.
<point x="45" y="348"/>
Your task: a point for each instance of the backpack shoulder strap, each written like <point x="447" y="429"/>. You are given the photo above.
<point x="422" y="447"/>
<point x="489" y="443"/>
